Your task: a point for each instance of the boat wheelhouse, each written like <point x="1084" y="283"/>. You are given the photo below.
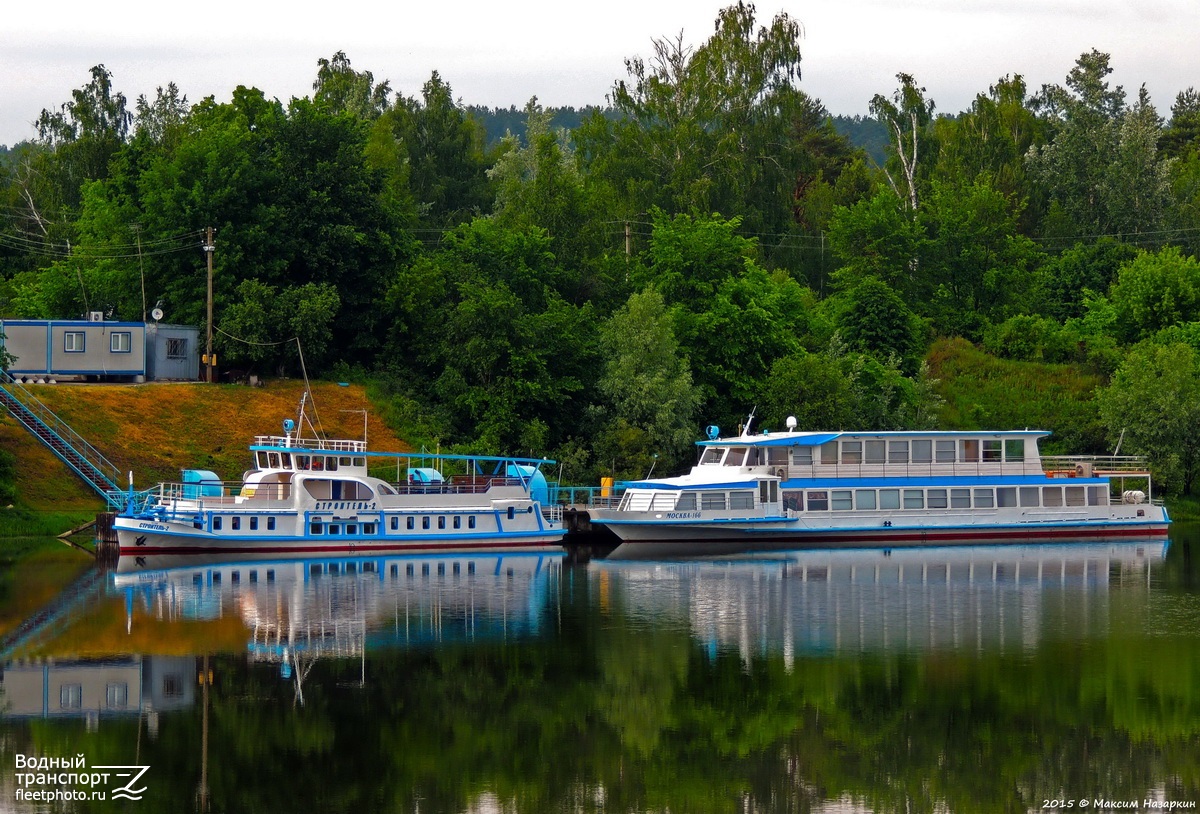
<point x="821" y="489"/>
<point x="316" y="495"/>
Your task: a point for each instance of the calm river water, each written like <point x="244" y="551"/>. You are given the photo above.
<point x="974" y="679"/>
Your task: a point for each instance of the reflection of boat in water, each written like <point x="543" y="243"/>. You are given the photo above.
<point x="341" y="606"/>
<point x="779" y="491"/>
<point x="992" y="598"/>
<point x="315" y="496"/>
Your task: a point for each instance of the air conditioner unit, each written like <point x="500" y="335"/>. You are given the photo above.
<point x="95" y="316"/>
<point x="1084" y="470"/>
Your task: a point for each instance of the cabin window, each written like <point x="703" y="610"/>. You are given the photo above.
<point x="384" y="489"/>
<point x="335" y="528"/>
<point x="471" y="522"/>
<point x="686" y="502"/>
<point x="802" y="456"/>
<point x="889" y="498"/>
<point x="992" y="450"/>
<point x="1029" y="496"/>
<point x="1006" y="497"/>
<point x="712" y="455"/>
<point x="273" y="460"/>
<point x="741" y="500"/>
<point x="303" y="462"/>
<point x="938" y="499"/>
<point x="841" y="500"/>
<point x="442" y="522"/>
<point x="984" y="499"/>
<point x="852" y="452"/>
<point x="753" y="458"/>
<point x="914" y="499"/>
<point x="1052" y="496"/>
<point x="286" y="458"/>
<point x="1097" y="495"/>
<point x="968" y="450"/>
<point x="424" y="522"/>
<point x="829" y="452"/>
<point x="262" y="460"/>
<point x="960" y="498"/>
<point x="818" y="501"/>
<point x="877" y="452"/>
<point x="315" y="527"/>
<point x="457" y="522"/>
<point x="897" y="452"/>
<point x="216" y="523"/>
<point x="411" y="523"/>
<point x="394" y="523"/>
<point x="943" y="450"/>
<point x="235" y="523"/>
<point x="793" y="501"/>
<point x="345" y="461"/>
<point x="352" y="528"/>
<point x="1076" y="496"/>
<point x="331" y="464"/>
<point x="74" y="342"/>
<point x="1014" y="449"/>
<point x="712" y="501"/>
<point x="253" y="577"/>
<point x="864" y="499"/>
<point x="270" y="524"/>
<point x="777" y="456"/>
<point x="121" y="342"/>
<point x="736" y="456"/>
<point x="360" y="461"/>
<point x="922" y="451"/>
<point x="512" y="512"/>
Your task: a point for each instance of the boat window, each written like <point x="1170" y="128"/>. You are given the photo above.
<point x="442" y="522"/>
<point x="713" y="501"/>
<point x="394" y="523"/>
<point x="286" y="459"/>
<point x="753" y="457"/>
<point x="877" y="452"/>
<point x="741" y="500"/>
<point x="1029" y="496"/>
<point x="922" y="451"/>
<point x="889" y="498"/>
<point x="1076" y="496"/>
<point x="802" y="456"/>
<point x="864" y="499"/>
<point x="712" y="455"/>
<point x="273" y="460"/>
<point x="471" y="522"/>
<point x="1097" y="495"/>
<point x="1006" y="496"/>
<point x="777" y="456"/>
<point x="897" y="452"/>
<point x="938" y="499"/>
<point x="736" y="456"/>
<point x="944" y="450"/>
<point x="512" y="512"/>
<point x="235" y="523"/>
<point x="852" y="452"/>
<point x="254" y="524"/>
<point x="360" y="461"/>
<point x="345" y="461"/>
<point x="217" y="523"/>
<point x="303" y="462"/>
<point x="960" y="498"/>
<point x="686" y="502"/>
<point x="331" y="464"/>
<point x="818" y="501"/>
<point x="968" y="450"/>
<point x="1052" y="496"/>
<point x="914" y="499"/>
<point x="352" y="528"/>
<point x="262" y="460"/>
<point x="384" y="489"/>
<point x="984" y="499"/>
<point x="412" y="523"/>
<point x="270" y="524"/>
<point x="424" y="522"/>
<point x="793" y="501"/>
<point x="457" y="522"/>
<point x="335" y="528"/>
<point x="1014" y="449"/>
<point x="992" y="450"/>
<point x="841" y="500"/>
<point x="315" y="527"/>
<point x="829" y="452"/>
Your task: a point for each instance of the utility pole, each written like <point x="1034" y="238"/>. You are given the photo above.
<point x="209" y="247"/>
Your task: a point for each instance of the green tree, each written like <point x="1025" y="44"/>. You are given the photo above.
<point x="1154" y="401"/>
<point x="907" y="116"/>
<point x="1154" y="291"/>
<point x="876" y="321"/>
<point x="341" y="89"/>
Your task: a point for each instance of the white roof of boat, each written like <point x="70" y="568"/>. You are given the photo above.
<point x="815" y="439"/>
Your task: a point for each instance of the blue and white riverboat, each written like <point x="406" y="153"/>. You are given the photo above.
<point x="789" y="490"/>
<point x="312" y="496"/>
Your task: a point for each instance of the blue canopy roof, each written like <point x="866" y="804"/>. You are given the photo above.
<point x="781" y="440"/>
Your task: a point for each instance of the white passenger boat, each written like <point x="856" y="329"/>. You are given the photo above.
<point x="308" y="496"/>
<point x="794" y="490"/>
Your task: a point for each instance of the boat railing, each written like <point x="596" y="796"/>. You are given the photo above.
<point x="1073" y="466"/>
<point x="319" y="444"/>
<point x="598" y="496"/>
<point x="218" y="492"/>
<point x="457" y="485"/>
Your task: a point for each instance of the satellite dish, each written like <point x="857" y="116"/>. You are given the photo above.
<point x="157" y="314"/>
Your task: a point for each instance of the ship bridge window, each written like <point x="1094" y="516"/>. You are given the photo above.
<point x="712" y="455"/>
<point x="303" y="462"/>
<point x="753" y="457"/>
<point x="736" y="456"/>
<point x="262" y="460"/>
<point x="777" y="456"/>
<point x="273" y="460"/>
<point x="876" y="452"/>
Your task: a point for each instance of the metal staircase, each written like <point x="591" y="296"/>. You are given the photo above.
<point x="70" y="447"/>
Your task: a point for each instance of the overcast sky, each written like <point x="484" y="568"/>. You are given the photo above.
<point x="502" y="53"/>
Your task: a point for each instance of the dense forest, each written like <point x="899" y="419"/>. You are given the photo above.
<point x="598" y="284"/>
